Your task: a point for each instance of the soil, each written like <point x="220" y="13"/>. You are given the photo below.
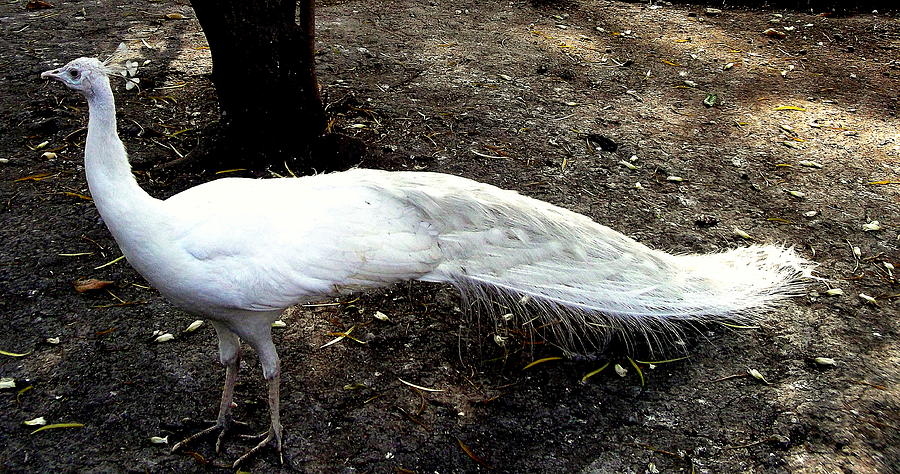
<point x="548" y="98"/>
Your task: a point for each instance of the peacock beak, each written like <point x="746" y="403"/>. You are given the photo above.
<point x="52" y="74"/>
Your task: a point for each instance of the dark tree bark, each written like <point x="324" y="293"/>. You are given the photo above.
<point x="265" y="76"/>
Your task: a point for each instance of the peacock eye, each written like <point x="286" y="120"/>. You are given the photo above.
<point x="74" y="74"/>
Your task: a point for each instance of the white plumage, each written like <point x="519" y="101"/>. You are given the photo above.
<point x="240" y="251"/>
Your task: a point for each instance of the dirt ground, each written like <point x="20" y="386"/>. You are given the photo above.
<point x="517" y="94"/>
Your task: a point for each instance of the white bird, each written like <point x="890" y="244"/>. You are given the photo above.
<point x="240" y="251"/>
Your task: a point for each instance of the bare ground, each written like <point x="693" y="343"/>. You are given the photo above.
<point x="519" y="95"/>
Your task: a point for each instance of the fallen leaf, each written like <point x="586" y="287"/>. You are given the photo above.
<point x="91" y="284"/>
<point x="38" y="5"/>
<point x="341" y="336"/>
<point x="13" y="354"/>
<point x="194" y="325"/>
<point x="773" y="33"/>
<point x="594" y="372"/>
<point x="637" y="368"/>
<point x="39" y="421"/>
<point x="867" y="298"/>
<point x="872" y="226"/>
<point x="790" y="107"/>
<point x="757" y="375"/>
<point x="76" y="195"/>
<point x="541" y="361"/>
<point x="419" y="386"/>
<point x="58" y="425"/>
<point x="471" y="454"/>
<point x="35" y="177"/>
<point x="740" y="233"/>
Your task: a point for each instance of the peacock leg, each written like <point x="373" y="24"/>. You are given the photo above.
<point x="261" y="340"/>
<point x="230" y="356"/>
<point x="273" y="435"/>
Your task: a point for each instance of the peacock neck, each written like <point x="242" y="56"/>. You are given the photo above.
<point x="116" y="193"/>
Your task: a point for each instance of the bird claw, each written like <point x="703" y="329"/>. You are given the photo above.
<point x="221" y="426"/>
<point x="272" y="436"/>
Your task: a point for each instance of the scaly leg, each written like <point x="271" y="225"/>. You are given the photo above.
<point x="273" y="436"/>
<point x="261" y="340"/>
<point x="230" y="356"/>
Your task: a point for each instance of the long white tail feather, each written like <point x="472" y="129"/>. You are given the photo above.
<point x="588" y="281"/>
<point x="737" y="286"/>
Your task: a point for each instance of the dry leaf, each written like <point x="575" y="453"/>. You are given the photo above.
<point x="790" y="107"/>
<point x="58" y="425"/>
<point x="541" y="361"/>
<point x="773" y="33"/>
<point x="872" y="226"/>
<point x="742" y="234"/>
<point x="38" y="5"/>
<point x="426" y="389"/>
<point x="39" y="421"/>
<point x="194" y="325"/>
<point x="757" y="375"/>
<point x="91" y="284"/>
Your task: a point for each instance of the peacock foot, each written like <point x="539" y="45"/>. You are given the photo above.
<point x="273" y="437"/>
<point x="222" y="426"/>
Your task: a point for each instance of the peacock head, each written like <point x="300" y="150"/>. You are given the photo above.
<point x="80" y="74"/>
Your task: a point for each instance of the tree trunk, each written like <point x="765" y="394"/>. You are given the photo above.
<point x="265" y="76"/>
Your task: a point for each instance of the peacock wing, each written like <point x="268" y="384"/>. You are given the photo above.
<point x="302" y="245"/>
